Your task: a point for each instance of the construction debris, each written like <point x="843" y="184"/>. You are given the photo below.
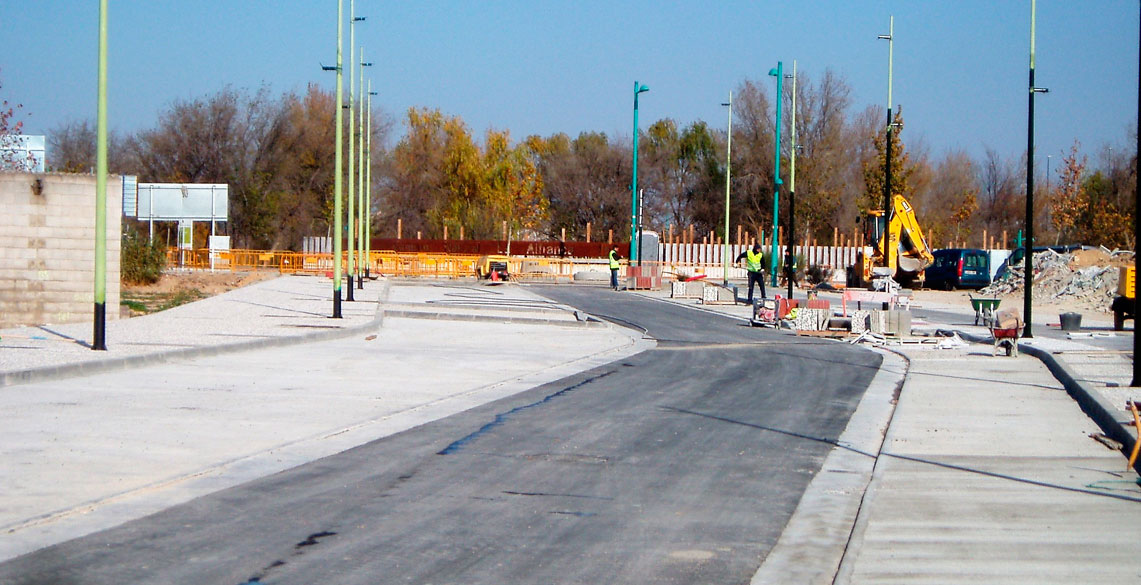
<point x="1082" y="277"/>
<point x="1105" y="440"/>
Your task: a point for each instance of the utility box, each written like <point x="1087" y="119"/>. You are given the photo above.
<point x="648" y="249"/>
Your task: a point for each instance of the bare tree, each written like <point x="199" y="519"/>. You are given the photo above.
<point x="753" y="137"/>
<point x="1002" y="200"/>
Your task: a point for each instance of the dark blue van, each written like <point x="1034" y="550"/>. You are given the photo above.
<point x="958" y="268"/>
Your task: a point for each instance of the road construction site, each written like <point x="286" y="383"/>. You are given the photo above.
<point x="949" y="465"/>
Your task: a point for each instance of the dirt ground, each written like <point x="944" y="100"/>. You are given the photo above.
<point x="209" y="283"/>
<point x="176" y="288"/>
<point x="1050" y="309"/>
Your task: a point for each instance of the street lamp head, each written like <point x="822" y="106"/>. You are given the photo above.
<point x="726" y="104"/>
<point x="643" y="89"/>
<point x="884" y="37"/>
<point x="373" y="93"/>
<point x="363" y="64"/>
<point x="773" y="72"/>
<point x="1040" y="89"/>
<point x="359" y="18"/>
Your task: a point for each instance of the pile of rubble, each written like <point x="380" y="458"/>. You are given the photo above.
<point x="1086" y="277"/>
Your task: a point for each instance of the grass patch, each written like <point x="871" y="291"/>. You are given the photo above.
<point x="141" y="303"/>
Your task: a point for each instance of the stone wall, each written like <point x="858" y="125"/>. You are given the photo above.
<point x="47" y="248"/>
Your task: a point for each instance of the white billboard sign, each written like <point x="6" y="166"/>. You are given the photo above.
<point x="183" y="201"/>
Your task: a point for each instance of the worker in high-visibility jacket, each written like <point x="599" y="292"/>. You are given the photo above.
<point x="754" y="266"/>
<point x="614" y="266"/>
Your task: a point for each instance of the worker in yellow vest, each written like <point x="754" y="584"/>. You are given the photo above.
<point x="754" y="266"/>
<point x="614" y="266"/>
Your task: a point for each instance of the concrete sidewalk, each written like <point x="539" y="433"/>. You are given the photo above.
<point x="212" y="394"/>
<point x="987" y="473"/>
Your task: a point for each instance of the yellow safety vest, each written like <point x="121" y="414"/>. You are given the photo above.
<point x="753" y="261"/>
<point x="613" y="260"/>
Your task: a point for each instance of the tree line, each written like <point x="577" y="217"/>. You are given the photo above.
<point x="437" y="178"/>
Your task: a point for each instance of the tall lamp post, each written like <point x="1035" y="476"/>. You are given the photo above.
<point x="362" y="259"/>
<point x="638" y="88"/>
<point x="353" y="20"/>
<point x="1028" y="241"/>
<point x="368" y="186"/>
<point x="790" y="252"/>
<point x="337" y="187"/>
<point x="728" y="164"/>
<point x="779" y="73"/>
<point x="890" y="38"/>
<point x="1137" y="240"/>
<point x="99" y="340"/>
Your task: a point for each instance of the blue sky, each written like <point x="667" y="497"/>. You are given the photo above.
<point x="542" y="67"/>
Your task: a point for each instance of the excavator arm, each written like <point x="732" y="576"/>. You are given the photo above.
<point x="906" y="231"/>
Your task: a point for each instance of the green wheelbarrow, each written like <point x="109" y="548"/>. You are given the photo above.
<point x="984" y="310"/>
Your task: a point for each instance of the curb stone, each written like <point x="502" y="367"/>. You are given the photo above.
<point x="53" y="373"/>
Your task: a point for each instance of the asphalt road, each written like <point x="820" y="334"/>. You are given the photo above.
<point x="678" y="465"/>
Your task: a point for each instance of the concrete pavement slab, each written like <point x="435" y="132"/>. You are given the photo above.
<point x="988" y="476"/>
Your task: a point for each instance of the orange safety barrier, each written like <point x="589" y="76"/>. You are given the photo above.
<point x="383" y="262"/>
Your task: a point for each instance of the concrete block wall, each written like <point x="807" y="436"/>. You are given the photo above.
<point x="47" y="248"/>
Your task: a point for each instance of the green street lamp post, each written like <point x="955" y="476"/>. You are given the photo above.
<point x="99" y="340"/>
<point x="634" y="203"/>
<point x="353" y="20"/>
<point x="337" y="186"/>
<point x="362" y="259"/>
<point x="368" y="186"/>
<point x="779" y="73"/>
<point x="728" y="164"/>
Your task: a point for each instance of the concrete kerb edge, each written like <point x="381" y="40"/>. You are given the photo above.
<point x="827" y="522"/>
<point x="53" y="373"/>
<point x="443" y="315"/>
<point x="694" y="307"/>
<point x="1093" y="404"/>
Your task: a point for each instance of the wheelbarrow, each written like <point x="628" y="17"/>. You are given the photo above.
<point x="984" y="310"/>
<point x="1006" y="328"/>
<point x="1006" y="338"/>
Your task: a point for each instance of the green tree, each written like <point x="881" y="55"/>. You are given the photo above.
<point x="585" y="181"/>
<point x="902" y="168"/>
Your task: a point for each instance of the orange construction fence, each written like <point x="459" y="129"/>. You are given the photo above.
<point x="380" y="262"/>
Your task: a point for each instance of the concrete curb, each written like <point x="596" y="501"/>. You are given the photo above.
<point x="814" y="543"/>
<point x="87" y="368"/>
<point x="443" y="315"/>
<point x="1103" y="414"/>
<point x="695" y="308"/>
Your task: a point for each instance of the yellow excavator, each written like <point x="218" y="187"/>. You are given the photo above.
<point x="908" y="254"/>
